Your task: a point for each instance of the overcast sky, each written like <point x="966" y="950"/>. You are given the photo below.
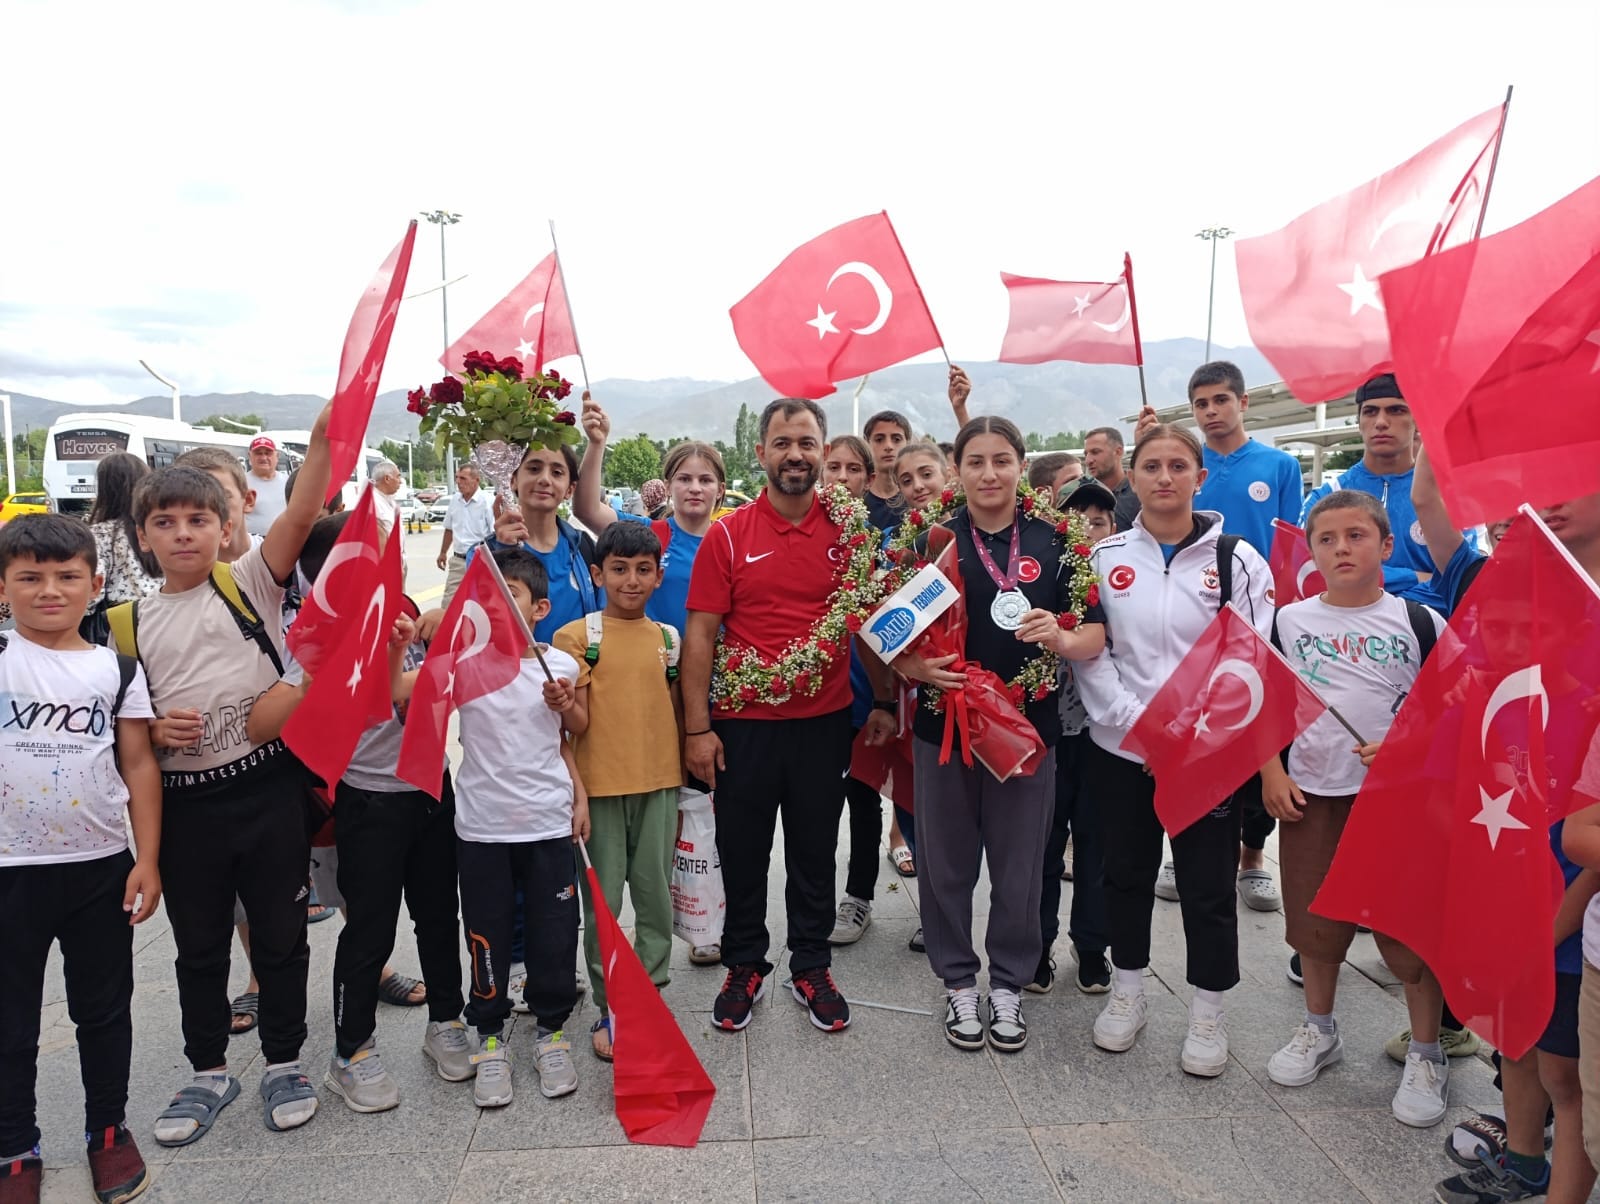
<point x="211" y="191"/>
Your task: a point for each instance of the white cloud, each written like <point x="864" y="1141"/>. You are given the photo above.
<point x="211" y="186"/>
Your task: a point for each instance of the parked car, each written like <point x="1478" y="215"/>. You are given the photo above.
<point x="731" y="501"/>
<point x="435" y="510"/>
<point x="24" y="503"/>
<point x="431" y="494"/>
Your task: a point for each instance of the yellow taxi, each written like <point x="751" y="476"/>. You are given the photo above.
<point x="23" y="503"/>
<point x="731" y="501"/>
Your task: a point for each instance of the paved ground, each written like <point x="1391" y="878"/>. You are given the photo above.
<point x="884" y="1111"/>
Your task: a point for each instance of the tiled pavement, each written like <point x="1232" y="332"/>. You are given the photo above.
<point x="884" y="1111"/>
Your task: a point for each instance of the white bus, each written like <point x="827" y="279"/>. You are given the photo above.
<point x="76" y="444"/>
<point x="296" y="443"/>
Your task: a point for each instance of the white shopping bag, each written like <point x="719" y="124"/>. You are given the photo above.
<point x="698" y="902"/>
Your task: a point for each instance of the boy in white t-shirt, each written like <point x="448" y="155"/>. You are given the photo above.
<point x="519" y="804"/>
<point x="74" y="751"/>
<point x="1361" y="650"/>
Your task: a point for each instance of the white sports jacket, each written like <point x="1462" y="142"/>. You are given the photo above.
<point x="1154" y="614"/>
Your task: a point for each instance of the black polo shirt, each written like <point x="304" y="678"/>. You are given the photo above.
<point x="1044" y="581"/>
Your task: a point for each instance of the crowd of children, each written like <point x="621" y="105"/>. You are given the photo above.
<point x="152" y="769"/>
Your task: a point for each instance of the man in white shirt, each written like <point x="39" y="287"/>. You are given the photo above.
<point x="468" y="521"/>
<point x="267" y="484"/>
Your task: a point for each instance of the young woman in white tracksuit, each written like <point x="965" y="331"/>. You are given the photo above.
<point x="1161" y="586"/>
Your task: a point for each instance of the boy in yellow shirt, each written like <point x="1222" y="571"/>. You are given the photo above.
<point x="625" y="718"/>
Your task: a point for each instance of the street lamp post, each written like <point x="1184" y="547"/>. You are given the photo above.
<point x="443" y="218"/>
<point x="11" y="462"/>
<point x="177" y="413"/>
<point x="1213" y="235"/>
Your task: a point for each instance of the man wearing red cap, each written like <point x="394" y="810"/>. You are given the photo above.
<point x="267" y="482"/>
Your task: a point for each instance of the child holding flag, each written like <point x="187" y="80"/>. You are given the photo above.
<point x="1361" y="650"/>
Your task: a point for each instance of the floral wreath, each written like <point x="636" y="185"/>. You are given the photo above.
<point x="1040" y="676"/>
<point x="741" y="676"/>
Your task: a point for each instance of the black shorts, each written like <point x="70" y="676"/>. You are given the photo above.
<point x="1561" y="1034"/>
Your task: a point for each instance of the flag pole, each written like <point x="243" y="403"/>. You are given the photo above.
<point x="522" y="624"/>
<point x="894" y="234"/>
<point x="583" y="367"/>
<point x="1494" y="161"/>
<point x="1133" y="316"/>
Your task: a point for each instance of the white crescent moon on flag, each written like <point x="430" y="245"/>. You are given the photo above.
<point x="1245" y="672"/>
<point x="336" y="556"/>
<point x="1412" y="213"/>
<point x="879" y="287"/>
<point x="1306" y="570"/>
<point x="1127" y="312"/>
<point x="473" y="614"/>
<point x="532" y="309"/>
<point x="1524" y="683"/>
<point x="375" y="607"/>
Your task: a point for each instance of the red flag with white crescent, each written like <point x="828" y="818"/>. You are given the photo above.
<point x="343" y="585"/>
<point x="1087" y="322"/>
<point x="532" y="323"/>
<point x="353" y="690"/>
<point x="1294" y="574"/>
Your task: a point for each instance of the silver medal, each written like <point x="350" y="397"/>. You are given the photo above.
<point x="1008" y="608"/>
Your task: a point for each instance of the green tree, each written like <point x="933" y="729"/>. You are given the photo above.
<point x="27" y="449"/>
<point x="426" y="464"/>
<point x="1060" y="441"/>
<point x="632" y="462"/>
<point x="215" y="422"/>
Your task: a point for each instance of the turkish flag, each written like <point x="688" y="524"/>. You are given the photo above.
<point x="478" y="650"/>
<point x="660" y="1090"/>
<point x="1310" y="290"/>
<point x="1231" y="705"/>
<point x="353" y="688"/>
<point x="1086" y="322"/>
<point x="1294" y="573"/>
<point x="1448" y="847"/>
<point x="532" y="322"/>
<point x="1497" y="346"/>
<point x="343" y="585"/>
<point x="366" y="346"/>
<point x="844" y="304"/>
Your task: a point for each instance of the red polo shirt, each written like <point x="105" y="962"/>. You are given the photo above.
<point x="770" y="580"/>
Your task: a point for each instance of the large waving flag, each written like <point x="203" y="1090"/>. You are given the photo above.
<point x="343" y="585"/>
<point x="844" y="304"/>
<point x="532" y="322"/>
<point x="1088" y="322"/>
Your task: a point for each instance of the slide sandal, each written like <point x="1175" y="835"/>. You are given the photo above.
<point x="245" y="1007"/>
<point x="284" y="1087"/>
<point x="201" y="1105"/>
<point x="396" y="990"/>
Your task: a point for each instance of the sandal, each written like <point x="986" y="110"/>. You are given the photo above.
<point x="601" y="1025"/>
<point x="315" y="911"/>
<point x="285" y="1087"/>
<point x="904" y="863"/>
<point x="201" y="1105"/>
<point x="705" y="955"/>
<point x="246" y="1007"/>
<point x="397" y="990"/>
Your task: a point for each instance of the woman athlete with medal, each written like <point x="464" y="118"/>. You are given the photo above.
<point x="965" y="815"/>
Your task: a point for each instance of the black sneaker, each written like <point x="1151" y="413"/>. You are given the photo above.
<point x="1490" y="1183"/>
<point x="915" y="943"/>
<point x="741" y="990"/>
<point x="1008" y="1031"/>
<point x="1044" y="978"/>
<point x="814" y="988"/>
<point x="1094" y="972"/>
<point x="1295" y="976"/>
<point x="115" y="1165"/>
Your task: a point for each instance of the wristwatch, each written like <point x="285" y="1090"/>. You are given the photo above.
<point x="879" y="704"/>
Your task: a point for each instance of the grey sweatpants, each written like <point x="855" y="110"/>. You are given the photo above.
<point x="964" y="816"/>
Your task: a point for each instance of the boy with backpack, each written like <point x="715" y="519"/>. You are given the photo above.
<point x="1362" y="648"/>
<point x="74" y="752"/>
<point x="234" y="813"/>
<point x="625" y="719"/>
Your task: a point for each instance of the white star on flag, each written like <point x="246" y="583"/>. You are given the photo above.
<point x="1496" y="816"/>
<point x="1594" y="337"/>
<point x="1362" y="292"/>
<point x="823" y="322"/>
<point x="1079" y="304"/>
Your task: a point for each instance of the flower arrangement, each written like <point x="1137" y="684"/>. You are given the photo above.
<point x="493" y="413"/>
<point x="1040" y="676"/>
<point x="741" y="676"/>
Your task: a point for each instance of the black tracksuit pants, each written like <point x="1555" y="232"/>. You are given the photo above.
<point x="394" y="844"/>
<point x="78" y="903"/>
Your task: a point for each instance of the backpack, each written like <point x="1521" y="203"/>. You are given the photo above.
<point x="663" y="530"/>
<point x="594" y="630"/>
<point x="127" y="666"/>
<point x="124" y="618"/>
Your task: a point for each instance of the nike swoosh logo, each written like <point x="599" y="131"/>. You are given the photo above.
<point x="749" y="559"/>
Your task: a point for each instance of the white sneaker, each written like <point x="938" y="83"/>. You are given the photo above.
<point x="1117" y="1026"/>
<point x="492" y="1086"/>
<point x="1205" y="1049"/>
<point x="553" y="1059"/>
<point x="962" y="1027"/>
<point x="516" y="985"/>
<point x="1167" y="883"/>
<point x="1066" y="863"/>
<point x="1420" y="1101"/>
<point x="449" y="1044"/>
<point x="1309" y="1050"/>
<point x="854" y="917"/>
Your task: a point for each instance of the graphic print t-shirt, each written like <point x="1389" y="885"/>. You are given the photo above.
<point x="61" y="797"/>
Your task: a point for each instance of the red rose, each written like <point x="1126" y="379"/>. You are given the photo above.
<point x="747" y="693"/>
<point x="1041" y="692"/>
<point x="802" y="683"/>
<point x="567" y="418"/>
<point x="859" y="538"/>
<point x="733" y="662"/>
<point x="916" y="519"/>
<point x="448" y="392"/>
<point x="847" y="584"/>
<point x="1018" y="696"/>
<point x="1092" y="597"/>
<point x="827" y="648"/>
<point x="510" y="366"/>
<point x="1027" y="505"/>
<point x="779" y="686"/>
<point x="1063" y="527"/>
<point x="853" y="622"/>
<point x="1081" y="550"/>
<point x="1067" y="622"/>
<point x="417" y="402"/>
<point x="947" y="497"/>
<point x="478" y="361"/>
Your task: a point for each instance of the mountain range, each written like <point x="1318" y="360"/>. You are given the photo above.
<point x="1043" y="397"/>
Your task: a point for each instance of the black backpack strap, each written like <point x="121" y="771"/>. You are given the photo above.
<point x="1225" y="546"/>
<point x="1277" y="641"/>
<point x="251" y="625"/>
<point x="1421" y="620"/>
<point x="127" y="666"/>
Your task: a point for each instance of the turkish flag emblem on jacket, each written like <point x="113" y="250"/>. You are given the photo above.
<point x="844" y="304"/>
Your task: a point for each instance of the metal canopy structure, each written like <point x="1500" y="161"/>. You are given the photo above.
<point x="1306" y="432"/>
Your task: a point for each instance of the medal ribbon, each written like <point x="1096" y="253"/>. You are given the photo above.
<point x="1013" y="573"/>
